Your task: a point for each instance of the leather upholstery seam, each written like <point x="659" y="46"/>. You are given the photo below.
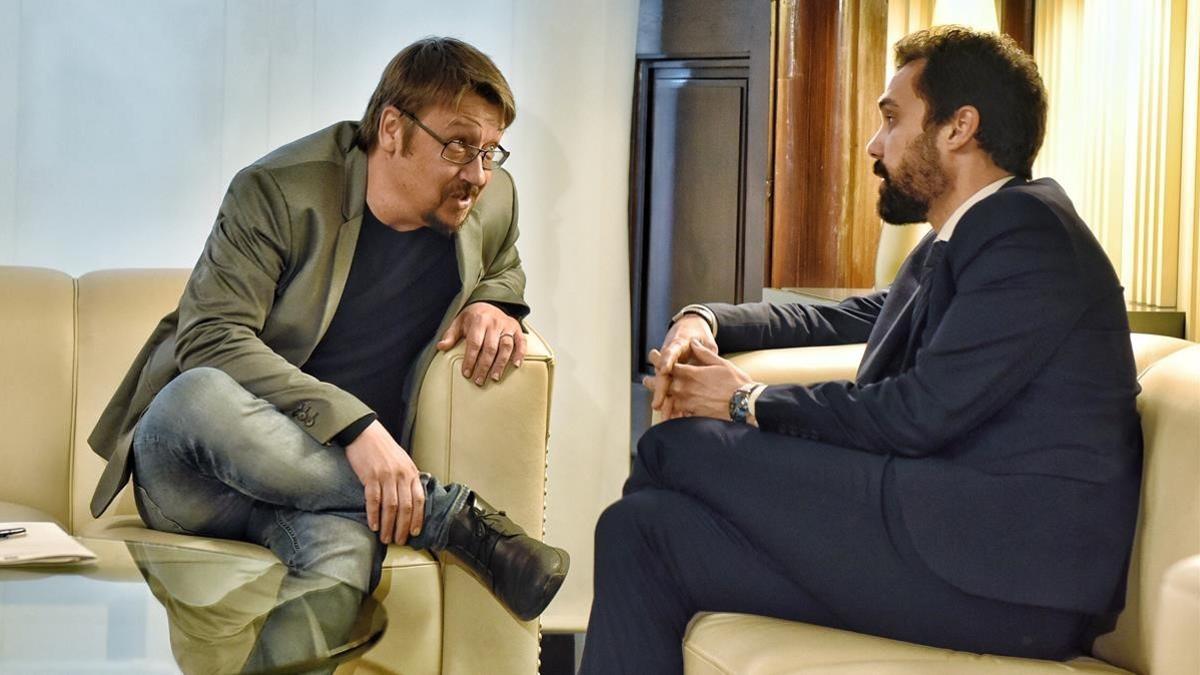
<point x="73" y="423"/>
<point x="708" y="659"/>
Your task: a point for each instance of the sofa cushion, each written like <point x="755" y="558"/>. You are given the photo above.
<point x="801" y="365"/>
<point x="726" y="644"/>
<point x="1175" y="648"/>
<point x="1148" y="349"/>
<point x="19" y="513"/>
<point x="37" y="331"/>
<point x="1168" y="528"/>
<point x="117" y="311"/>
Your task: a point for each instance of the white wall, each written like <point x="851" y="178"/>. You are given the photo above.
<point x="121" y="123"/>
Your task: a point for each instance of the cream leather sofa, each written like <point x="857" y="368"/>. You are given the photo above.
<point x="64" y="344"/>
<point x="1159" y="631"/>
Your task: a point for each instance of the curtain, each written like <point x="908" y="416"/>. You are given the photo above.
<point x="1121" y="135"/>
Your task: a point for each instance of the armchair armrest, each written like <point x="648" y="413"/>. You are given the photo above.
<point x="796" y="365"/>
<point x="493" y="439"/>
<point x="1175" y="649"/>
<point x="801" y="365"/>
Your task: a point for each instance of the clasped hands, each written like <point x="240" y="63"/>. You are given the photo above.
<point x="392" y="487"/>
<point x="690" y="378"/>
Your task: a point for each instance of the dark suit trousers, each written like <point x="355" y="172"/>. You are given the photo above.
<point x="724" y="517"/>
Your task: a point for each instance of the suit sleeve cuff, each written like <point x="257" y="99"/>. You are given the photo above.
<point x="512" y="309"/>
<point x="700" y="311"/>
<point x="348" y="435"/>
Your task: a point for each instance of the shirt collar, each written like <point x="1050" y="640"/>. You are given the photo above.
<point x="985" y="191"/>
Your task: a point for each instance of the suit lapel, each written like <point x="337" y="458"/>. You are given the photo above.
<point x="354" y="198"/>
<point x="343" y="256"/>
<point x="891" y="333"/>
<point x="468" y="246"/>
<point x="930" y="277"/>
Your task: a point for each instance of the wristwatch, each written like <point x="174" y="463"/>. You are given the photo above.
<point x="739" y="403"/>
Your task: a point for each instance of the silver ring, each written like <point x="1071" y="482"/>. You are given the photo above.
<point x="508" y="335"/>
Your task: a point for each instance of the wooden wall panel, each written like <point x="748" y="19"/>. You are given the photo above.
<point x="829" y="72"/>
<point x="1016" y="19"/>
<point x="803" y="246"/>
<point x="860" y="82"/>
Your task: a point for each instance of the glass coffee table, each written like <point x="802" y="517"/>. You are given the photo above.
<point x="153" y="608"/>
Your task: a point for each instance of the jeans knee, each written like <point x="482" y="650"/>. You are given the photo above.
<point x="193" y="400"/>
<point x="335" y="547"/>
<point x="198" y="388"/>
<point x="198" y="385"/>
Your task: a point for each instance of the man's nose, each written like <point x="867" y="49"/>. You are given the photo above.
<point x="473" y="172"/>
<point x="875" y="145"/>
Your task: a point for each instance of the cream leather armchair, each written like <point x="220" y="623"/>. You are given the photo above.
<point x="1157" y="634"/>
<point x="65" y="344"/>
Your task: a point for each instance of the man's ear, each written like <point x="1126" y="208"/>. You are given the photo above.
<point x="962" y="126"/>
<point x="391" y="130"/>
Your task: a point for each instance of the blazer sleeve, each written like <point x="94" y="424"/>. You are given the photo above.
<point x="228" y="298"/>
<point x="503" y="281"/>
<point x="765" y="325"/>
<point x="1016" y="295"/>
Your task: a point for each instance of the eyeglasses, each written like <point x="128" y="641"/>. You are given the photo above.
<point x="463" y="153"/>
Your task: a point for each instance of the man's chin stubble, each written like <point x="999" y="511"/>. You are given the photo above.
<point x="433" y="222"/>
<point x="896" y="208"/>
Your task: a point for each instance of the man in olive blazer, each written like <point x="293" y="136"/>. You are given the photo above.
<point x="269" y="323"/>
<point x="334" y="265"/>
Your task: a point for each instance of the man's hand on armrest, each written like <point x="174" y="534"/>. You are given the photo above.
<point x="494" y="339"/>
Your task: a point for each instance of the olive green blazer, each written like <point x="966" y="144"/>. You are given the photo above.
<point x="269" y="280"/>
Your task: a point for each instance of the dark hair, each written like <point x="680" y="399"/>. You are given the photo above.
<point x="990" y="72"/>
<point x="435" y="70"/>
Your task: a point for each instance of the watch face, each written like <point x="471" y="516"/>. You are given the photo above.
<point x="739" y="405"/>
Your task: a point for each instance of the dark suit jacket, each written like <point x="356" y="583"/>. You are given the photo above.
<point x="269" y="280"/>
<point x="999" y="376"/>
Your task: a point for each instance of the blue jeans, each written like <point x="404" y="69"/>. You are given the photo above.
<point x="211" y="459"/>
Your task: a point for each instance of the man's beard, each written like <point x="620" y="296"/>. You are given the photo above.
<point x="453" y="191"/>
<point x="905" y="196"/>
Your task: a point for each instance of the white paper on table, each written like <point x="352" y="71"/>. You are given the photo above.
<point x="42" y="544"/>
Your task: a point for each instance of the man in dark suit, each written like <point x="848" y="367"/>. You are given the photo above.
<point x="975" y="487"/>
<point x="273" y="405"/>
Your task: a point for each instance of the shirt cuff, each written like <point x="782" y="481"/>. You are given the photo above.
<point x="348" y="435"/>
<point x="754" y="394"/>
<point x="701" y="311"/>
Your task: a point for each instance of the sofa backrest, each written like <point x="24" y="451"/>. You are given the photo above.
<point x="1168" y="527"/>
<point x="117" y="310"/>
<point x="37" y="372"/>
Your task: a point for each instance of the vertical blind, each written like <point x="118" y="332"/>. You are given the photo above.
<point x="1121" y="136"/>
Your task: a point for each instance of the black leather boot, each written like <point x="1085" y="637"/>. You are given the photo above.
<point x="522" y="572"/>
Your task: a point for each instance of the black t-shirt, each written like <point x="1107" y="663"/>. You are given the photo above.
<point x="399" y="288"/>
